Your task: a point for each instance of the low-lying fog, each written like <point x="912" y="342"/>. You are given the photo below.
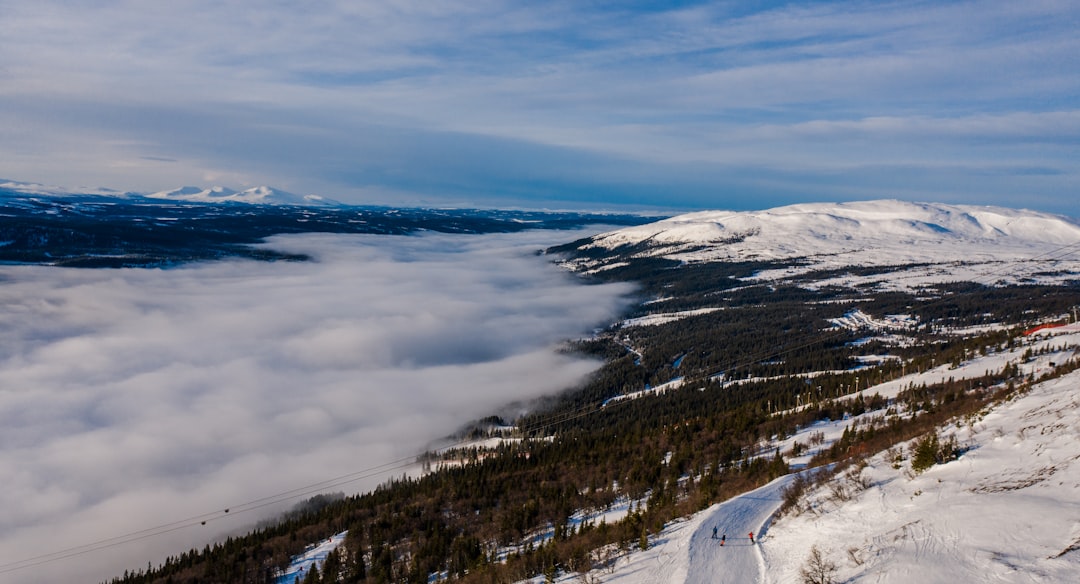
<point x="133" y="398"/>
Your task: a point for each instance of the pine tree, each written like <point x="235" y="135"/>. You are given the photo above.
<point x="925" y="455"/>
<point x="312" y="576"/>
<point x="331" y="568"/>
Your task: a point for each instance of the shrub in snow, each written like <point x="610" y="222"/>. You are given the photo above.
<point x="818" y="569"/>
<point x="930" y="451"/>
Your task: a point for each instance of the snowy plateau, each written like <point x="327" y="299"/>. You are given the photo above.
<point x="912" y="244"/>
<point x="262" y="195"/>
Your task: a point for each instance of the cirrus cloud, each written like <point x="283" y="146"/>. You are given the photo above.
<point x="509" y="102"/>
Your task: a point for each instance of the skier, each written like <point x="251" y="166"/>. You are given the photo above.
<point x="714" y="532"/>
<point x="723" y="538"/>
<point x="751" y="538"/>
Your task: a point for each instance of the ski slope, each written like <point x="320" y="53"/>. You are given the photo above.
<point x="685" y="551"/>
<point x="314" y="555"/>
<point x="738" y="560"/>
<point x="1008" y="510"/>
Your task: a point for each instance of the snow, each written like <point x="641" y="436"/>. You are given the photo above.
<point x="658" y="390"/>
<point x="664" y="318"/>
<point x="47" y="190"/>
<point x="935" y="242"/>
<point x="1007" y="510"/>
<point x="685" y="551"/>
<point x="739" y="559"/>
<point x="261" y="195"/>
<point x="300" y="565"/>
<point x="1058" y="330"/>
<point x="857" y="320"/>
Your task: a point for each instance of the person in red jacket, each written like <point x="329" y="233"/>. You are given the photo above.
<point x="751" y="537"/>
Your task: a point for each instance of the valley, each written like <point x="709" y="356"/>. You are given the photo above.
<point x="728" y="375"/>
<point x="733" y="368"/>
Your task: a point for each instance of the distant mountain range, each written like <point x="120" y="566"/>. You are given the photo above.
<point x="104" y="228"/>
<point x="842" y="244"/>
<point x="28" y="188"/>
<point x="261" y="195"/>
<point x="258" y="196"/>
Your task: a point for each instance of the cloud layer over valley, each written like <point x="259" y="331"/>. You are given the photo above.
<point x="132" y="398"/>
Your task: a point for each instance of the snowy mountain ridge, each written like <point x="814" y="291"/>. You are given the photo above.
<point x="29" y="188"/>
<point x="836" y="228"/>
<point x="969" y="240"/>
<point x="261" y="195"/>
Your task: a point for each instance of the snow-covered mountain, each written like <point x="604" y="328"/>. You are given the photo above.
<point x="822" y="229"/>
<point x="261" y="195"/>
<point x="831" y="236"/>
<point x="28" y="188"/>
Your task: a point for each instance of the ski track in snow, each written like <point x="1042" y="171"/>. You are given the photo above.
<point x="300" y="565"/>
<point x="738" y="560"/>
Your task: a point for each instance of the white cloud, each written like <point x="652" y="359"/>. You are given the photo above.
<point x="132" y="398"/>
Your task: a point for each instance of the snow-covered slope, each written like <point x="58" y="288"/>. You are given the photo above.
<point x="970" y="239"/>
<point x="262" y="195"/>
<point x="314" y="556"/>
<point x="1007" y="510"/>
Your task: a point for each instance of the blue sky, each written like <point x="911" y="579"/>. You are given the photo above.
<point x="681" y="105"/>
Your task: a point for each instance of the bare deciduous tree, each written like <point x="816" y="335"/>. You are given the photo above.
<point x="818" y="569"/>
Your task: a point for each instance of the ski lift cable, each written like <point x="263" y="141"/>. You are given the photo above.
<point x="237" y="509"/>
